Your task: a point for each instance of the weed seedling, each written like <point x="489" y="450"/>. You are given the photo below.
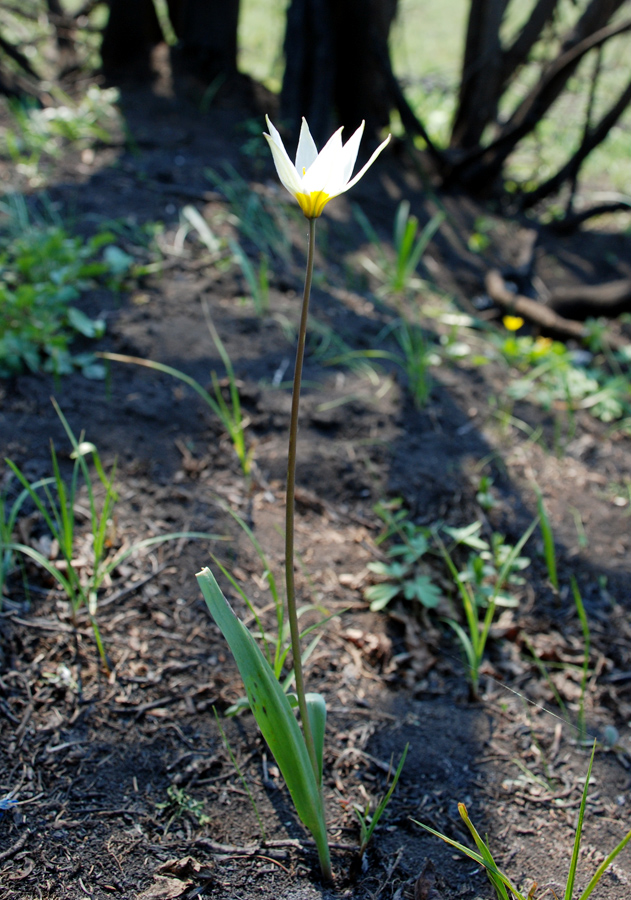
<point x="403" y="575"/>
<point x="503" y="886"/>
<point x="368" y="822"/>
<point x="398" y="275"/>
<point x="180" y="804"/>
<point x="43" y="273"/>
<point x="58" y="507"/>
<point x="480" y="588"/>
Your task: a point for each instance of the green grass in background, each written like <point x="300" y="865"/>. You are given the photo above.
<point x="261" y="32"/>
<point x="426" y="39"/>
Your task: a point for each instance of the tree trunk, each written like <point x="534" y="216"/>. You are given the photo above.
<point x="207" y="38"/>
<point x="206" y="32"/>
<point x="334" y="73"/>
<point x="481" y="73"/>
<point x="131" y="33"/>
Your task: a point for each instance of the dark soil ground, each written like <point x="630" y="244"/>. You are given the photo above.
<point x="92" y="756"/>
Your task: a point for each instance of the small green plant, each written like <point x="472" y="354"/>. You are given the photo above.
<point x="502" y="885"/>
<point x="549" y="552"/>
<point x="415" y="358"/>
<point x="480" y="587"/>
<point x="58" y="511"/>
<point x="484" y="564"/>
<point x="582" y="616"/>
<point x="257" y="281"/>
<point x="554" y="375"/>
<point x="37" y="132"/>
<point x="43" y="273"/>
<point x="418" y="356"/>
<point x="403" y="575"/>
<point x="484" y="495"/>
<point x="479" y="239"/>
<point x="398" y="275"/>
<point x="368" y="822"/>
<point x="180" y="804"/>
<point x="9" y="515"/>
<point x="57" y="508"/>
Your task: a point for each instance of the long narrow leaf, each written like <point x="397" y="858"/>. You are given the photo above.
<point x="273" y="714"/>
<point x="569" y="887"/>
<point x="600" y="871"/>
<point x="316" y="709"/>
<point x="476" y="857"/>
<point x="548" y="542"/>
<point x="485" y="853"/>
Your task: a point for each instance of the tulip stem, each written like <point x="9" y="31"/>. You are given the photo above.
<point x="289" y="510"/>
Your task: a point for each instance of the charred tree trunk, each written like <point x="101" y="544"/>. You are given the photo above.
<point x="207" y="38"/>
<point x="131" y="33"/>
<point x="334" y="52"/>
<point x="481" y="73"/>
<point x="489" y="68"/>
<point x="206" y="31"/>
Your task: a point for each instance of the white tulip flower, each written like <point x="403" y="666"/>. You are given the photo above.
<point x="318" y="177"/>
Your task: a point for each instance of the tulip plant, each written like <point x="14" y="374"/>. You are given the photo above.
<point x="313" y="180"/>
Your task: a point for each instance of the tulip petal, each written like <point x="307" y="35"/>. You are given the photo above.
<point x="318" y="177"/>
<point x="363" y="171"/>
<point x="322" y="169"/>
<point x="284" y="167"/>
<point x="307" y="152"/>
<point x="274" y="133"/>
<point x="349" y="158"/>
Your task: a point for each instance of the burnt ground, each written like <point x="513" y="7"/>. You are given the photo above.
<point x="91" y="756"/>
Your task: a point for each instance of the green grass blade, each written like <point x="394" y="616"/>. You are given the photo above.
<point x="367" y="832"/>
<point x="549" y="552"/>
<point x="41" y="560"/>
<point x="569" y="887"/>
<point x="582" y="615"/>
<point x="485" y="853"/>
<point x="476" y="857"/>
<point x="424" y="239"/>
<point x="167" y="370"/>
<point x="600" y="871"/>
<point x="34" y="496"/>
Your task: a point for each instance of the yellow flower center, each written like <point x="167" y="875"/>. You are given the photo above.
<point x="312" y="204"/>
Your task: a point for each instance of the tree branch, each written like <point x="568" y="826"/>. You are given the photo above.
<point x="592" y="138"/>
<point x="532" y="109"/>
<point x="517" y="54"/>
